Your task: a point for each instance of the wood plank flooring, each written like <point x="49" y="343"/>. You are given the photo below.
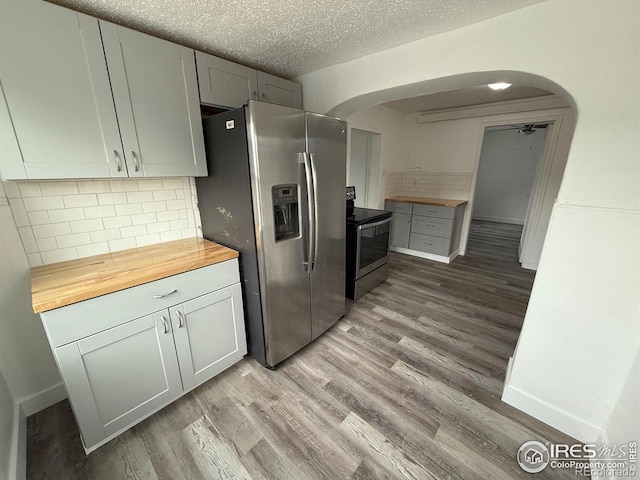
<point x="407" y="385"/>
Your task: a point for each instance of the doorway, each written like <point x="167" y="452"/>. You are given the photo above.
<point x="364" y="167"/>
<point x="509" y="159"/>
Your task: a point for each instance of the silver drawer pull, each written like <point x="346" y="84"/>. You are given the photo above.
<point x="180" y="319"/>
<point x="175" y="290"/>
<point x="164" y="322"/>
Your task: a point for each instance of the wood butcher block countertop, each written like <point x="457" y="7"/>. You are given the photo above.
<point x="436" y="202"/>
<point x="64" y="283"/>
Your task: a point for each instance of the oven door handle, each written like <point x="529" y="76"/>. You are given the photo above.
<point x="375" y="224"/>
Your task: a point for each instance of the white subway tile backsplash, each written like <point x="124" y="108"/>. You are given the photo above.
<point x="63" y="220"/>
<point x="117" y="222"/>
<point x="51" y="230"/>
<point x="59" y="255"/>
<point x="35" y="260"/>
<point x="428" y="184"/>
<point x="145" y="240"/>
<point x="82" y="226"/>
<point x="105" y="235"/>
<point x="66" y="215"/>
<point x="112" y="198"/>
<point x="19" y="213"/>
<point x="165" y="194"/>
<point x="123" y="244"/>
<point x="97" y="186"/>
<point x="171" y="235"/>
<point x="28" y="189"/>
<point x="154" y="207"/>
<point x="45" y="244"/>
<point x="150" y="184"/>
<point x="28" y="240"/>
<point x="73" y="240"/>
<point x="32" y="204"/>
<point x="100" y="212"/>
<point x="144" y="218"/>
<point x="83" y="200"/>
<point x="93" y="249"/>
<point x="38" y="217"/>
<point x="128" y="209"/>
<point x="135" y="231"/>
<point x="58" y="188"/>
<point x="139" y="197"/>
<point x="168" y="215"/>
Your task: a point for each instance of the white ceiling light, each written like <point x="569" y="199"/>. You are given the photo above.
<point x="499" y="86"/>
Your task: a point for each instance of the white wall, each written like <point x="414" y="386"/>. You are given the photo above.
<point x="6" y="428"/>
<point x="624" y="424"/>
<point x="582" y="328"/>
<point x="505" y="175"/>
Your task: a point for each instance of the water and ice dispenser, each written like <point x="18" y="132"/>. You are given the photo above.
<point x="285" y="211"/>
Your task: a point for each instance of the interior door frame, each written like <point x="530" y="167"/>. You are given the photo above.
<point x="380" y="173"/>
<point x="540" y="181"/>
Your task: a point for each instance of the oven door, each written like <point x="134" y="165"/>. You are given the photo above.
<point x="373" y="246"/>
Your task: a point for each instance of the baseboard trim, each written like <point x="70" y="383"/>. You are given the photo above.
<point x="44" y="399"/>
<point x="484" y="218"/>
<point x="428" y="256"/>
<point x="559" y="419"/>
<point x="18" y="465"/>
<point x="530" y="265"/>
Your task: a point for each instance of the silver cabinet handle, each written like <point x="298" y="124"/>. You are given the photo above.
<point x="264" y="96"/>
<point x="255" y="94"/>
<point x="175" y="290"/>
<point x="164" y="322"/>
<point x="118" y="161"/>
<point x="136" y="162"/>
<point x="180" y="319"/>
<point x="408" y="219"/>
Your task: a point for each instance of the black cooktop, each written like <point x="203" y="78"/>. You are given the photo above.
<point x="361" y="216"/>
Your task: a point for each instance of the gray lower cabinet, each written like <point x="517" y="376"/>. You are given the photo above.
<point x="400" y="230"/>
<point x="430" y="229"/>
<point x="116" y="377"/>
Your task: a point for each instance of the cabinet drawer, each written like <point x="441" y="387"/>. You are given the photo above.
<point x="397" y="207"/>
<point x="433" y="211"/>
<point x="438" y="227"/>
<point x="73" y="322"/>
<point x="429" y="244"/>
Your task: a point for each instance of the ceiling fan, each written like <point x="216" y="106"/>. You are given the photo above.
<point x="526" y="129"/>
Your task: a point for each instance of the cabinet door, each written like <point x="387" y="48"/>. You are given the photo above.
<point x="400" y="230"/>
<point x="56" y="110"/>
<point x="225" y="83"/>
<point x="277" y="90"/>
<point x="209" y="334"/>
<point x="118" y="376"/>
<point x="155" y="90"/>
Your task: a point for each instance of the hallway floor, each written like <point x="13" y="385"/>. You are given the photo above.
<point x="407" y="385"/>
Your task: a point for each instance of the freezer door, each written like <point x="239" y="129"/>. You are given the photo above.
<point x="327" y="147"/>
<point x="276" y="140"/>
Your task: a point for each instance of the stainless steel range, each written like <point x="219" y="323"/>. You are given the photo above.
<point x="368" y="233"/>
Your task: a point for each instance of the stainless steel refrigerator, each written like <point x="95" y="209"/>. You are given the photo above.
<point x="275" y="193"/>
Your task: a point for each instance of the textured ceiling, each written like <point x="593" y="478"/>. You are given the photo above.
<point x="292" y="37"/>
<point x="463" y="97"/>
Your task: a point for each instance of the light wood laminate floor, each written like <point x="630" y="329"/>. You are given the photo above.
<point x="407" y="385"/>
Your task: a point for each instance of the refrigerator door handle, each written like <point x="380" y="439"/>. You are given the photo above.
<point x="308" y="263"/>
<point x="314" y="258"/>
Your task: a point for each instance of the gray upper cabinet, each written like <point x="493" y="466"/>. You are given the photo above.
<point x="66" y="111"/>
<point x="57" y="118"/>
<point x="225" y="83"/>
<point x="277" y="90"/>
<point x="155" y="90"/>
